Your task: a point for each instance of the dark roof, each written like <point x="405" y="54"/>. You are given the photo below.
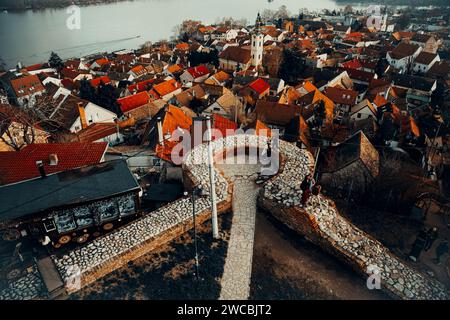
<point x="422" y="38"/>
<point x="275" y="113"/>
<point x="440" y="69"/>
<point x="413" y="82"/>
<point x="66" y="188"/>
<point x="403" y="50"/>
<point x="354" y="148"/>
<point x="425" y="57"/>
<point x="163" y="192"/>
<point x="237" y="54"/>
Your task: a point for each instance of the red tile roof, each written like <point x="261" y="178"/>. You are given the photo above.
<point x="342" y="96"/>
<point x="27" y="85"/>
<point x="96" y="82"/>
<point x="223" y="125"/>
<point x="198" y="71"/>
<point x="96" y="131"/>
<point x="21" y="165"/>
<point x="140" y="86"/>
<point x="166" y="87"/>
<point x="352" y="64"/>
<point x="260" y="86"/>
<point x="134" y="101"/>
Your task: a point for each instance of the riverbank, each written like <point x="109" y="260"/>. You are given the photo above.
<point x="37" y="5"/>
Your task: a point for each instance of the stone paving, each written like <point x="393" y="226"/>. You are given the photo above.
<point x="27" y="287"/>
<point x="320" y="222"/>
<point x="238" y="265"/>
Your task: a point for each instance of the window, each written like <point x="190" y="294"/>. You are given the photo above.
<point x="358" y="115"/>
<point x="49" y="225"/>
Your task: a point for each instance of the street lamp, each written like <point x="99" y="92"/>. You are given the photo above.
<point x="196" y="192"/>
<point x="212" y="179"/>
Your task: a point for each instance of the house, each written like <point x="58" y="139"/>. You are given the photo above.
<point x="74" y="114"/>
<point x="260" y="88"/>
<point x="362" y="111"/>
<point x="285" y="118"/>
<point x="403" y="55"/>
<point x="351" y="165"/>
<point x="224" y="34"/>
<point x="195" y="74"/>
<point x="424" y="61"/>
<point x="97" y="81"/>
<point x="233" y="58"/>
<point x="26" y="89"/>
<point x="440" y="70"/>
<point x="20" y="165"/>
<point x="165" y="90"/>
<point x="101" y="132"/>
<point x="137" y="72"/>
<point x="132" y="102"/>
<point x="17" y="129"/>
<point x="341" y="30"/>
<point x="426" y="41"/>
<point x="342" y="98"/>
<point x="220" y="78"/>
<point x="160" y="132"/>
<point x="187" y="96"/>
<point x="227" y="105"/>
<point x="419" y="89"/>
<point x="73" y="203"/>
<point x="99" y="63"/>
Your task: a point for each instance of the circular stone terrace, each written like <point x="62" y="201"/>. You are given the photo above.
<point x="319" y="222"/>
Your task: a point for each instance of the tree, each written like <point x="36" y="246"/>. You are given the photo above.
<point x="87" y="91"/>
<point x="292" y="66"/>
<point x="55" y="61"/>
<point x="22" y="126"/>
<point x="186" y="27"/>
<point x="146" y="47"/>
<point x="107" y="98"/>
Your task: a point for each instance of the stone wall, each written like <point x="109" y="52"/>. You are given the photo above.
<point x="321" y="223"/>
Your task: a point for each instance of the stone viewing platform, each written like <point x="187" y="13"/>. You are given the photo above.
<point x="319" y="222"/>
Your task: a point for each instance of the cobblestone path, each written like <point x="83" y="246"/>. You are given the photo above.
<point x="238" y="264"/>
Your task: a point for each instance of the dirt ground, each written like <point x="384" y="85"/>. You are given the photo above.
<point x="169" y="272"/>
<point x="286" y="266"/>
<point x="398" y="233"/>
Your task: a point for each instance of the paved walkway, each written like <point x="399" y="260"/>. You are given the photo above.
<point x="238" y="265"/>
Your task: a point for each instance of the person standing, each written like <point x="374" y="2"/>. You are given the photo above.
<point x="306" y="186"/>
<point x="432" y="235"/>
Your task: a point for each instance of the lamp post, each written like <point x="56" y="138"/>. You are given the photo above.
<point x="212" y="180"/>
<point x="197" y="191"/>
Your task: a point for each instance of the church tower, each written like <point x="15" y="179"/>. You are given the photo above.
<point x="257" y="48"/>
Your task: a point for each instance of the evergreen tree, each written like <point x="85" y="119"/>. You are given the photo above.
<point x="292" y="66"/>
<point x="87" y="91"/>
<point x="55" y="61"/>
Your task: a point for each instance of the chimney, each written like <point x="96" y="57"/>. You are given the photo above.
<point x="82" y="113"/>
<point x="53" y="158"/>
<point x="160" y="131"/>
<point x="40" y="166"/>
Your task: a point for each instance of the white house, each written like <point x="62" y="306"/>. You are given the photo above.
<point x="425" y="61"/>
<point x="403" y="55"/>
<point x="71" y="110"/>
<point x="195" y="74"/>
<point x="363" y="110"/>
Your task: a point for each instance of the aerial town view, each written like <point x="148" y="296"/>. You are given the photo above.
<point x="224" y="150"/>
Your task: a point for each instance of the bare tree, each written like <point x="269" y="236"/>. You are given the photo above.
<point x="20" y="126"/>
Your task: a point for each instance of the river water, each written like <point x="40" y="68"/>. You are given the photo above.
<point x="30" y="36"/>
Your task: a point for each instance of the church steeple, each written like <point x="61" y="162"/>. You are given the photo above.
<point x="258" y="23"/>
<point x="257" y="46"/>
